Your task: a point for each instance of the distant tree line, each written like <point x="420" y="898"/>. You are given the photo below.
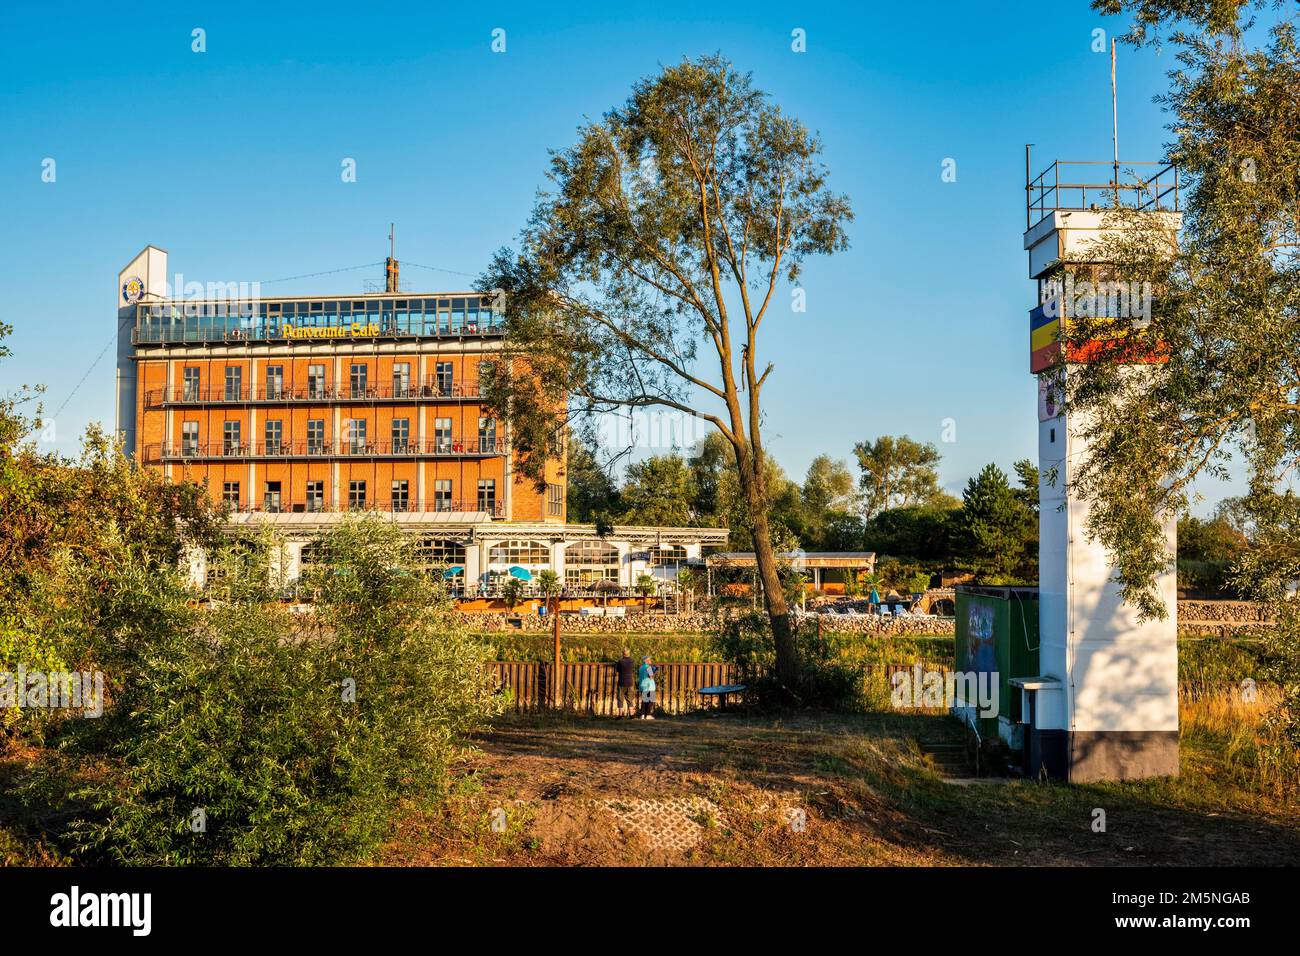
<point x="894" y="505"/>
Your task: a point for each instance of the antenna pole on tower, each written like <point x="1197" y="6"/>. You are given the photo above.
<point x="1114" y="120"/>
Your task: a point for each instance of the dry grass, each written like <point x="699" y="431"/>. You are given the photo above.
<point x="860" y="787"/>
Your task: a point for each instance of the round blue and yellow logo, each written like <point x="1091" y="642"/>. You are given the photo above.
<point x="132" y="290"/>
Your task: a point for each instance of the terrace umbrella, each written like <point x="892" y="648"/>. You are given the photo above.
<point x="523" y="574"/>
<point x="452" y="571"/>
<point x="605" y="585"/>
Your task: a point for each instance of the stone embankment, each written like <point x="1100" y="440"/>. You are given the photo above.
<point x="1223" y="618"/>
<point x="656" y="623"/>
<point x="1195" y="619"/>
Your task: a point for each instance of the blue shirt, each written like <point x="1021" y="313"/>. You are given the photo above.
<point x="647" y="678"/>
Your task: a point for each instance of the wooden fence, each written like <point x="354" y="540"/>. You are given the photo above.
<point x="590" y="687"/>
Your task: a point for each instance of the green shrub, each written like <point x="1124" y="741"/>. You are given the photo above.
<point x="253" y="736"/>
<point x="827" y="679"/>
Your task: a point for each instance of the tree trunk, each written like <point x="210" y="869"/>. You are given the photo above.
<point x="787" y="656"/>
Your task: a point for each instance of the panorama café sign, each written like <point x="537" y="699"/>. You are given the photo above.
<point x="355" y="329"/>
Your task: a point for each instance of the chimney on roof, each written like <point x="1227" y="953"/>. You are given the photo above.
<point x="390" y="268"/>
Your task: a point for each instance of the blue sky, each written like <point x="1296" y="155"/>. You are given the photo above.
<point x="230" y="160"/>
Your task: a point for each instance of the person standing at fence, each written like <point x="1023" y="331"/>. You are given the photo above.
<point x="646" y="684"/>
<point x="626" y="694"/>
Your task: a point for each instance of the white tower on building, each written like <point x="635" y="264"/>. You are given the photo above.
<point x="1106" y="704"/>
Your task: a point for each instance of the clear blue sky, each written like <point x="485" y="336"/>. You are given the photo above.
<point x="230" y="160"/>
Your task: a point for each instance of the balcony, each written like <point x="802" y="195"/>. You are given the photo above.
<point x="187" y="330"/>
<point x="320" y="394"/>
<point x="492" y="508"/>
<point x="324" y="450"/>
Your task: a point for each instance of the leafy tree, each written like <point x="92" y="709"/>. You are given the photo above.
<point x="591" y="494"/>
<point x="1209" y="539"/>
<point x="1227" y="305"/>
<point x="671" y="223"/>
<point x="842" y="531"/>
<point x="926" y="533"/>
<point x="724" y="501"/>
<point x="1027" y="475"/>
<point x="896" y="473"/>
<point x="828" y="495"/>
<point x="658" y="491"/>
<point x="997" y="524"/>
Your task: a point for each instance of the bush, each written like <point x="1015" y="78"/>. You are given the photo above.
<point x="1210" y="579"/>
<point x="253" y="736"/>
<point x="826" y="679"/>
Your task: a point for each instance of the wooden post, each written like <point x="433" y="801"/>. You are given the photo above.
<point x="557" y="690"/>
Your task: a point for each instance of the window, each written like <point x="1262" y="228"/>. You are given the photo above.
<point x="442" y="436"/>
<point x="439" y="553"/>
<point x="315" y="496"/>
<point x="315" y="381"/>
<point x="443" y="378"/>
<point x="271" y="498"/>
<point x="234" y="383"/>
<point x="401" y="495"/>
<point x="487" y="495"/>
<point x="521" y="552"/>
<point x="442" y="495"/>
<point x="667" y="555"/>
<point x="273" y="435"/>
<point x="487" y="434"/>
<point x="401" y="379"/>
<point x="554" y="499"/>
<point x="275" y="381"/>
<point x="190" y="392"/>
<point x="315" y="436"/>
<point x="356" y="436"/>
<point x="357" y="380"/>
<point x="356" y="494"/>
<point x="401" y="435"/>
<point x="230" y="438"/>
<point x="230" y="493"/>
<point x="189" y="439"/>
<point x="586" y="562"/>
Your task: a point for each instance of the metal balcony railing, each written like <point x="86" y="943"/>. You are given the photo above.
<point x="412" y="448"/>
<point x="1076" y="185"/>
<point x="300" y="394"/>
<point x="183" y="333"/>
<point x="490" y="507"/>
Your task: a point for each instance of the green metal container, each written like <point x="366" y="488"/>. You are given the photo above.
<point x="997" y="635"/>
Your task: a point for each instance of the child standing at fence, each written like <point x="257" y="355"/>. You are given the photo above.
<point x="646" y="684"/>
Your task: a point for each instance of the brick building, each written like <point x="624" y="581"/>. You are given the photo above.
<point x="295" y="409"/>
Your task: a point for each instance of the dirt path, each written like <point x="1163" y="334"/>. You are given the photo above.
<point x="808" y="790"/>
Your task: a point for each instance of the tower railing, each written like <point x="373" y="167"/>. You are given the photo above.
<point x="1075" y="185"/>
